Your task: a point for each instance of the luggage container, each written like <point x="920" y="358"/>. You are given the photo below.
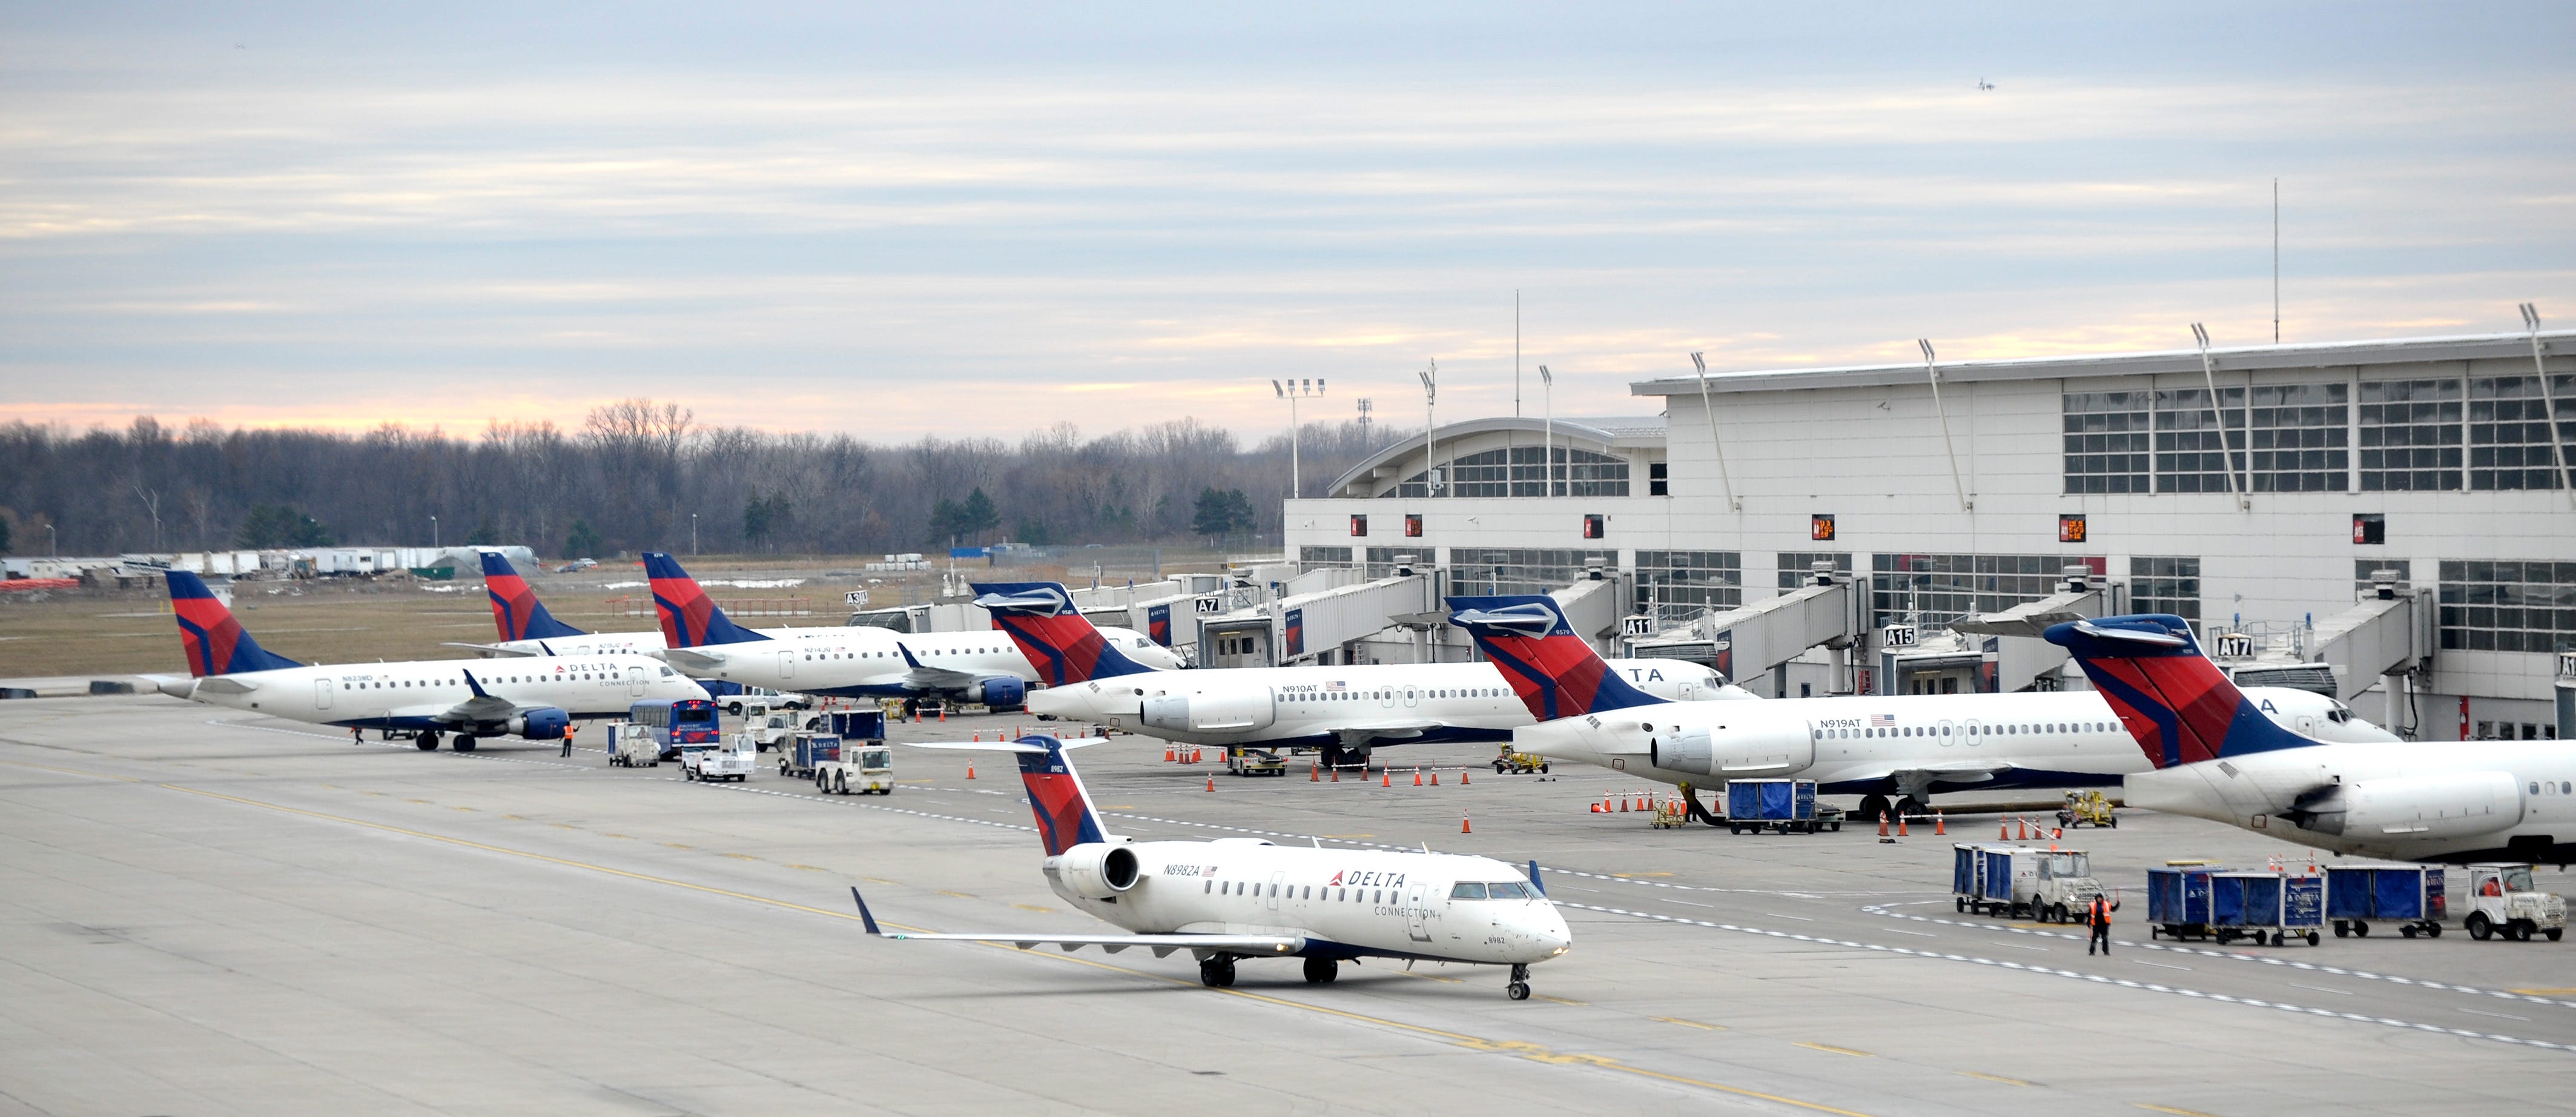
<point x="1967" y="876"/>
<point x="2265" y="905"/>
<point x="2178" y="900"/>
<point x="801" y="754"/>
<point x="1782" y="806"/>
<point x="2407" y="895"/>
<point x="858" y="725"/>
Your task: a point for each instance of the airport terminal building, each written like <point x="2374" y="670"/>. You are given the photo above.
<point x="2419" y="471"/>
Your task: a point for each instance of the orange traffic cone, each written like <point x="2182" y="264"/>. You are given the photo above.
<point x="1900" y="825"/>
<point x="1623" y="804"/>
<point x="970" y="771"/>
<point x="1337" y="773"/>
<point x="1462" y="777"/>
<point x="1882" y="824"/>
<point x="1435" y="778"/>
<point x="1211" y="781"/>
<point x="1596" y="808"/>
<point x="1464" y="826"/>
<point x="979" y="736"/>
<point x="1168" y="755"/>
<point x="2059" y="832"/>
<point x="1195" y="758"/>
<point x="1940" y="826"/>
<point x="1386" y="777"/>
<point x="2025" y="830"/>
<point x="1314" y="773"/>
<point x="1417" y="776"/>
<point x="943" y="713"/>
<point x="1641" y="800"/>
<point x="2003" y="830"/>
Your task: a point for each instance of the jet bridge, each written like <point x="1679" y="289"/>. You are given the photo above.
<point x="1756" y="638"/>
<point x="1303" y="627"/>
<point x="2390" y="633"/>
<point x="2022" y="657"/>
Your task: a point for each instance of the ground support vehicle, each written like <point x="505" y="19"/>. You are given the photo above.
<point x="2409" y="895"/>
<point x="769" y="726"/>
<point x="674" y="722"/>
<point x="2257" y="905"/>
<point x="1513" y="763"/>
<point x="1778" y="805"/>
<point x="2086" y="808"/>
<point x="2178" y="901"/>
<point x="719" y="761"/>
<point x="801" y="754"/>
<point x="1255" y="762"/>
<point x="862" y="767"/>
<point x="628" y="748"/>
<point x="1671" y="814"/>
<point x="2051" y="884"/>
<point x="851" y="725"/>
<point x="2502" y="902"/>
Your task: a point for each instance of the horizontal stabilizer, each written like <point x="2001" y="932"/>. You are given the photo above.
<point x="489" y="649"/>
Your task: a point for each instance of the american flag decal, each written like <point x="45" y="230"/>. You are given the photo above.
<point x="1877" y="721"/>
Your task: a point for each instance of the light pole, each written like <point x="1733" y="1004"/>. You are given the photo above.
<point x="1547" y="447"/>
<point x="2218" y="418"/>
<point x="1430" y="428"/>
<point x="2558" y="460"/>
<point x="433" y="533"/>
<point x="1290" y="391"/>
<point x="53" y="543"/>
<point x="693" y="533"/>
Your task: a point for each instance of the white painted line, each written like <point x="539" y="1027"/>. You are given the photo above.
<point x="2160" y="965"/>
<point x="2322" y="989"/>
<point x="2498" y="1015"/>
<point x="1799" y="918"/>
<point x="2019" y="946"/>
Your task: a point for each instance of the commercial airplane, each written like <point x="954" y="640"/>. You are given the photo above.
<point x="1908" y="746"/>
<point x="535" y="699"/>
<point x="526" y="628"/>
<point x="853" y="661"/>
<point x="2213" y="757"/>
<point x="1258" y="900"/>
<point x="1344" y="711"/>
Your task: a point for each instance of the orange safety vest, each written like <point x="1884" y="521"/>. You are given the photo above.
<point x="2100" y="916"/>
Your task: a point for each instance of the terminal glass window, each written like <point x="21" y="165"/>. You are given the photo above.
<point x="1380" y="561"/>
<point x="1485" y="474"/>
<point x="1520" y="471"/>
<point x="2361" y="569"/>
<point x="2187" y="440"/>
<point x="1690" y="580"/>
<point x="1798" y="568"/>
<point x="2165" y="585"/>
<point x="2300" y="436"/>
<point x="2106" y="442"/>
<point x="2508" y="606"/>
<point x="1324" y="556"/>
<point x="2509" y="438"/>
<point x="1933" y="590"/>
<point x="2410" y="435"/>
<point x="1492" y="570"/>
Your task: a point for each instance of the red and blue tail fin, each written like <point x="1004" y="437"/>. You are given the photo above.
<point x="515" y="608"/>
<point x="2177" y="704"/>
<point x="1556" y="673"/>
<point x="690" y="618"/>
<point x="1058" y="640"/>
<point x="1063" y="807"/>
<point x="213" y="640"/>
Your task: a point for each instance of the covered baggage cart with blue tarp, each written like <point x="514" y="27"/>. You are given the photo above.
<point x="1968" y="875"/>
<point x="1780" y="805"/>
<point x="2361" y="893"/>
<point x="2178" y="901"/>
<point x="2265" y="906"/>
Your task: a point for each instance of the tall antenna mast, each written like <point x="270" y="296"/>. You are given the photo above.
<point x="2276" y="261"/>
<point x="1516" y="352"/>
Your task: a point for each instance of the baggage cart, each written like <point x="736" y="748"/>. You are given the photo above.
<point x="1782" y="806"/>
<point x="2360" y="893"/>
<point x="857" y="725"/>
<point x="1968" y="875"/>
<point x="802" y="753"/>
<point x="2178" y="899"/>
<point x="2273" y="906"/>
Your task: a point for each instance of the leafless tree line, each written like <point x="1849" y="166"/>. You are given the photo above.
<point x="634" y="474"/>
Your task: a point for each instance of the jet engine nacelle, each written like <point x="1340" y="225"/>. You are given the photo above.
<point x="1000" y="693"/>
<point x="1209" y="712"/>
<point x="1094" y="870"/>
<point x="542" y="724"/>
<point x="1687" y="751"/>
<point x="2452" y="804"/>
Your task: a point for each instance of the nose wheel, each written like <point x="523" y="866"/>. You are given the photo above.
<point x="1518" y="990"/>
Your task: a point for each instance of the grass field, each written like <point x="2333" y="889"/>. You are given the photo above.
<point x="349" y="621"/>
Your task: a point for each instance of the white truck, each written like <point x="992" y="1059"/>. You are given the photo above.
<point x="631" y="748"/>
<point x="864" y="767"/>
<point x="2054" y="885"/>
<point x="2503" y="902"/>
<point x="727" y="760"/>
<point x="769" y="726"/>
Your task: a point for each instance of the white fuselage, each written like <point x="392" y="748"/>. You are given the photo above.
<point x="2408" y="801"/>
<point x="1309" y="705"/>
<point x="864" y="660"/>
<point x="412" y="694"/>
<point x="1910" y="744"/>
<point x="1374" y="902"/>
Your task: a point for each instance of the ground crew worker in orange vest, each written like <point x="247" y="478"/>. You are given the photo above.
<point x="2097" y="915"/>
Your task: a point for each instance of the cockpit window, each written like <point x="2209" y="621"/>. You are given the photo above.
<point x="1467" y="890"/>
<point x="1508" y="890"/>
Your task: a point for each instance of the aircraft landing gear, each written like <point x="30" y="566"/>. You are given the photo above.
<point x="465" y="742"/>
<point x="1873" y="805"/>
<point x="1518" y="990"/>
<point x="428" y="740"/>
<point x="1911" y="807"/>
<point x="1217" y="972"/>
<point x="1322" y="971"/>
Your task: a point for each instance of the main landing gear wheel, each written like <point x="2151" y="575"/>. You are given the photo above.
<point x="1872" y="806"/>
<point x="1217" y="973"/>
<point x="1911" y="807"/>
<point x="1322" y="971"/>
<point x="465" y="742"/>
<point x="425" y="743"/>
<point x="1518" y="990"/>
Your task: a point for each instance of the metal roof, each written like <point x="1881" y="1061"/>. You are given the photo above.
<point x="2339" y="354"/>
<point x="1618" y="432"/>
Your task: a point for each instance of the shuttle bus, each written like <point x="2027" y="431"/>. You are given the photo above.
<point x="673" y="722"/>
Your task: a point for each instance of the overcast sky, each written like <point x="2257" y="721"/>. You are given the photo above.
<point x="982" y="219"/>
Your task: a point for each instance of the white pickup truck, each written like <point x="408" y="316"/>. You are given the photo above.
<point x="730" y="760"/>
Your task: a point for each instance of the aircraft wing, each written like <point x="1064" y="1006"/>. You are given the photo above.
<point x="483" y="708"/>
<point x="1364" y="732"/>
<point x="1161" y="945"/>
<point x="1962" y="772"/>
<point x="925" y="677"/>
<point x="489" y="649"/>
